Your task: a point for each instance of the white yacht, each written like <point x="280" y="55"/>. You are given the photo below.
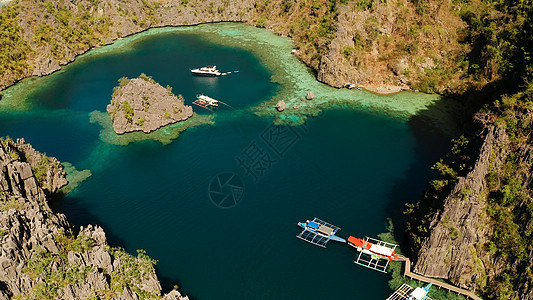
<point x="207" y="71"/>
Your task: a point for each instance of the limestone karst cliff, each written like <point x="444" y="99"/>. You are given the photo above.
<point x="474" y="227"/>
<point x="369" y="43"/>
<point x="42" y="256"/>
<point x="459" y="231"/>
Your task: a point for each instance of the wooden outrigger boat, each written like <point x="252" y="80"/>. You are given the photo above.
<point x="318" y="232"/>
<point x="373" y="253"/>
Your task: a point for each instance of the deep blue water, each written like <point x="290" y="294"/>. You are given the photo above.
<point x="353" y="169"/>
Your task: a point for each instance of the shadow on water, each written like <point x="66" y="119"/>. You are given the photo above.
<point x="79" y="215"/>
<point x="434" y="143"/>
<point x="431" y="142"/>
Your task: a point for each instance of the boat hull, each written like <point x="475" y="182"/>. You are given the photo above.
<point x="337" y="239"/>
<point x="206" y="74"/>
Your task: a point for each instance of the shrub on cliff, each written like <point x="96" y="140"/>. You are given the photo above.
<point x="14" y="50"/>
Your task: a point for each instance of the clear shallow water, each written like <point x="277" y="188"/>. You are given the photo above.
<point x="351" y="168"/>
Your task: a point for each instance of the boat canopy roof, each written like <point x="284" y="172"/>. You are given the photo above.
<point x="419" y="293"/>
<point x="326" y="230"/>
<point x="381" y="250"/>
<point x="356" y="241"/>
<point x="312" y="224"/>
<point x="318" y="232"/>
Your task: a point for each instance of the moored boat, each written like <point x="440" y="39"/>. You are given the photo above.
<point x="378" y="249"/>
<point x="205" y="101"/>
<point x="318" y="232"/>
<point x="207" y="71"/>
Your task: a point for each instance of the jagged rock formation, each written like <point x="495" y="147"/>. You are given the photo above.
<point x="42" y="257"/>
<point x="456" y="246"/>
<point x="47" y="170"/>
<point x="141" y="104"/>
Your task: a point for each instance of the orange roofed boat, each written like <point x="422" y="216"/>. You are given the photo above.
<point x="373" y="253"/>
<point x="381" y="248"/>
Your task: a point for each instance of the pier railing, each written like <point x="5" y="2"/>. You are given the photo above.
<point x="407" y="272"/>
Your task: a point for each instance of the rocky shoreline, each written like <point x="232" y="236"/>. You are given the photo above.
<point x="43" y="256"/>
<point x="382" y="48"/>
<point x="353" y="53"/>
<point x="108" y="13"/>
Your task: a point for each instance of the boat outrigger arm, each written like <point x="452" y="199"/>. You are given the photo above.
<point x="318" y="232"/>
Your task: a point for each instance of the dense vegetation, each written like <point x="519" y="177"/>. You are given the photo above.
<point x="14" y="50"/>
<point x="312" y="24"/>
<point x="511" y="197"/>
<point x="431" y="46"/>
<point x="40" y="35"/>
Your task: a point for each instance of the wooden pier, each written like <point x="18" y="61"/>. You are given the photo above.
<point x="407" y="272"/>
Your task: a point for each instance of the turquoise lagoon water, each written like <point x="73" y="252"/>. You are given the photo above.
<point x="353" y="168"/>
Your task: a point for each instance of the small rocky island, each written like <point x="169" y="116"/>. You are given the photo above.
<point x="141" y="104"/>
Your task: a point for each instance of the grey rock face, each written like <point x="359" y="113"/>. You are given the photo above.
<point x="455" y="249"/>
<point x="52" y="175"/>
<point x="36" y="240"/>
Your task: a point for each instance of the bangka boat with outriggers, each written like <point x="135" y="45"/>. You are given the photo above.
<point x="406" y="292"/>
<point x="207" y="71"/>
<point x="205" y="101"/>
<point x="373" y="253"/>
<point x="318" y="232"/>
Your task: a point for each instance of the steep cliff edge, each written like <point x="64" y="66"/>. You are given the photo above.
<point x="395" y="43"/>
<point x="458" y="233"/>
<point x="474" y="226"/>
<point x="477" y="232"/>
<point x="42" y="257"/>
